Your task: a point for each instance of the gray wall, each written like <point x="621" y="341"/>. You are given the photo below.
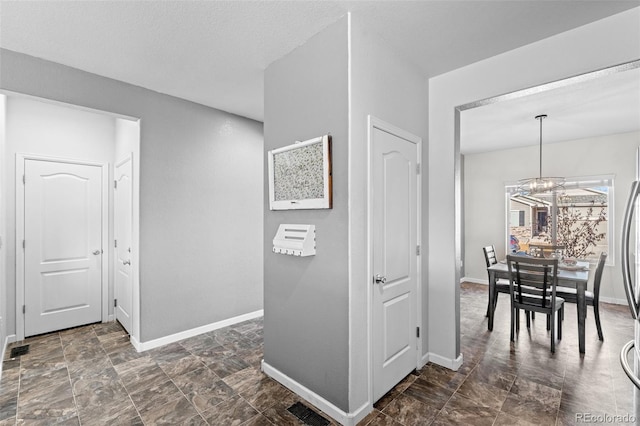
<point x="306" y="299"/>
<point x="316" y="312"/>
<point x="201" y="189"/>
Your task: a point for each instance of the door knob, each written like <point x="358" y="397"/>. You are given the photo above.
<point x="379" y="279"/>
<point x="97" y="252"/>
<point x="127" y="262"/>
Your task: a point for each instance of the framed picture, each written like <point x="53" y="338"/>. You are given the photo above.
<point x="300" y="175"/>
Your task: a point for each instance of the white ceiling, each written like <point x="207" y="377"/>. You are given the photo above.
<point x="602" y="106"/>
<point x="215" y="52"/>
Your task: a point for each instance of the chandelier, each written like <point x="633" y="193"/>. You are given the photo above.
<point x="540" y="184"/>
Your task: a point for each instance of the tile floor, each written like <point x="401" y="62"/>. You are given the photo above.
<point x="92" y="376"/>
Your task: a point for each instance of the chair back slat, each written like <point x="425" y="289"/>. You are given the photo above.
<point x="490" y="255"/>
<point x="532" y="279"/>
<point x="532" y="287"/>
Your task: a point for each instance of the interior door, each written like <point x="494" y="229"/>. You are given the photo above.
<point x="122" y="233"/>
<point x="63" y="245"/>
<point x="394" y="232"/>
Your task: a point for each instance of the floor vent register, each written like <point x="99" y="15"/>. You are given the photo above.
<point x="19" y="350"/>
<point x="307" y="415"/>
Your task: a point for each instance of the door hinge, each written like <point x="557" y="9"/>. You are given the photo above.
<point x="24" y="179"/>
<point x="417" y="331"/>
<point x="115" y="184"/>
<point x="418" y="250"/>
<point x="115" y="243"/>
<point x="23" y="244"/>
<point x="418" y="168"/>
<point x="115" y="303"/>
<point x="24" y="309"/>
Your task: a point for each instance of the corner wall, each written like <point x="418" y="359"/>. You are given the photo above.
<point x="316" y="309"/>
<point x="306" y="299"/>
<point x="387" y="86"/>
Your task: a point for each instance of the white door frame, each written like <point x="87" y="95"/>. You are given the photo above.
<point x="376" y="123"/>
<point x="134" y="251"/>
<point x="135" y="248"/>
<point x="20" y="160"/>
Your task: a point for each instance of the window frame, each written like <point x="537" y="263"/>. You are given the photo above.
<point x="510" y="188"/>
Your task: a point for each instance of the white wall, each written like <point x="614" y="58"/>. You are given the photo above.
<point x="47" y="129"/>
<point x="484" y="196"/>
<point x="601" y="44"/>
<point x="127" y="139"/>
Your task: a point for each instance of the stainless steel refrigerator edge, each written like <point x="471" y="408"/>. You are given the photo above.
<point x="632" y="287"/>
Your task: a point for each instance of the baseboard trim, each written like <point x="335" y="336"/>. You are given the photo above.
<point x="424" y="360"/>
<point x="134" y="342"/>
<point x="474" y="280"/>
<point x="155" y="343"/>
<point x="613" y="301"/>
<point x="450" y="363"/>
<point x="341" y="416"/>
<point x="4" y="349"/>
<point x="361" y="413"/>
<point x="7" y="340"/>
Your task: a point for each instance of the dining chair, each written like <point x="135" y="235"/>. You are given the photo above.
<point x="592" y="297"/>
<point x="532" y="287"/>
<point x="502" y="285"/>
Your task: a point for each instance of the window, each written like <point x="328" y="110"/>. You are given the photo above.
<point x="517" y="217"/>
<point x="576" y="219"/>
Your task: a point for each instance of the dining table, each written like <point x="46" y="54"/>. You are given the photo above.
<point x="573" y="276"/>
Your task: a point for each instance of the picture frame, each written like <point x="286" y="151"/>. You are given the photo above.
<point x="300" y="175"/>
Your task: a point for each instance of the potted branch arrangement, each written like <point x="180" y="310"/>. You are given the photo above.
<point x="578" y="229"/>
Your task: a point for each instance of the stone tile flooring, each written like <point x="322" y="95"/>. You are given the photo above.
<point x="91" y="375"/>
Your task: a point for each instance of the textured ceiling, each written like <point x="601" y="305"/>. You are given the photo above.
<point x="603" y="106"/>
<point x="215" y="52"/>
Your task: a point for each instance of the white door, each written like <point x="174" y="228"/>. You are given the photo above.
<point x="122" y="234"/>
<point x="62" y="247"/>
<point x="394" y="232"/>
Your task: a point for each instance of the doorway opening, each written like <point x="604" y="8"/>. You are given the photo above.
<point x="62" y="136"/>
